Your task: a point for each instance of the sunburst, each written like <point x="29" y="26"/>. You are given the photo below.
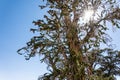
<point x="88" y="15"/>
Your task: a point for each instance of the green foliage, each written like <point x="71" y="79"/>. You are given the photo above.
<point x="71" y="47"/>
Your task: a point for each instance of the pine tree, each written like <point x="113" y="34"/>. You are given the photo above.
<point x="71" y="45"/>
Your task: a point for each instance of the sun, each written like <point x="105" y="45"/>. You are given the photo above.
<point x="88" y="15"/>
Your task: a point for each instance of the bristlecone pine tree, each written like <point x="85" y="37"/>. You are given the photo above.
<point x="71" y="42"/>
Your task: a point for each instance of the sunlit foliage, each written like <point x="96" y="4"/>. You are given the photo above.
<point x="70" y="45"/>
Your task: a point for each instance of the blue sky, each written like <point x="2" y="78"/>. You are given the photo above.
<point x="16" y="18"/>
